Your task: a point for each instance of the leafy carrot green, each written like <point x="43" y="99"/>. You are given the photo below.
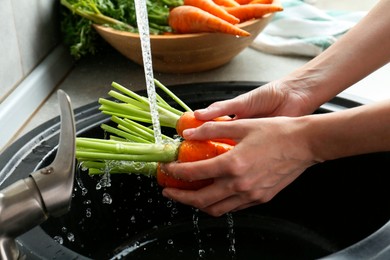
<point x="78" y="16"/>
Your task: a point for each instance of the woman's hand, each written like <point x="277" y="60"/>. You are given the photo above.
<point x="265" y="160"/>
<point x="287" y="98"/>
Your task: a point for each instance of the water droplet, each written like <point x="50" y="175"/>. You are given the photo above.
<point x="174" y="211"/>
<point x="88" y="213"/>
<point x="59" y="239"/>
<point x="107" y="198"/>
<point x="132" y="219"/>
<point x="70" y="237"/>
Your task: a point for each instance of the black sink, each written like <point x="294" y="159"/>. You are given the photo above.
<point x="331" y="206"/>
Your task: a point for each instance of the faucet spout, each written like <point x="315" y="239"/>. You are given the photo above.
<point x="46" y="192"/>
<point x="55" y="182"/>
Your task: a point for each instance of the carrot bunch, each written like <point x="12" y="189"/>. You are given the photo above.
<point x="196" y="16"/>
<point x="131" y="147"/>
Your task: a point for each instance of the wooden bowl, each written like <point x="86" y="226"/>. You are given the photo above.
<point x="185" y="53"/>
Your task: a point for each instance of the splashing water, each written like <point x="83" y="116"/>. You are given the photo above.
<point x="231" y="235"/>
<point x="195" y="221"/>
<point x="143" y="29"/>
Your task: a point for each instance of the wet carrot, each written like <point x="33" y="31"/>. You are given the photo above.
<point x="253" y="11"/>
<point x="227" y="3"/>
<point x="187" y="120"/>
<point x="166" y="180"/>
<point x="190" y="151"/>
<point x="190" y="19"/>
<point x="145" y="159"/>
<point x="212" y="8"/>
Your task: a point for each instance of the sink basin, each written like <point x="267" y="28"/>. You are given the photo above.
<point x="331" y="206"/>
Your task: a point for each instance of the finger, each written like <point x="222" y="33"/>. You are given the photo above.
<point x="240" y="201"/>
<point x="214" y="130"/>
<point x="202" y="198"/>
<point x="192" y="171"/>
<point x="216" y="109"/>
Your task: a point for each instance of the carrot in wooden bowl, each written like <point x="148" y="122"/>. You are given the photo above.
<point x="190" y="19"/>
<point x="253" y="11"/>
<point x="214" y="9"/>
<point x="227" y="3"/>
<point x="245" y="2"/>
<point x="261" y="1"/>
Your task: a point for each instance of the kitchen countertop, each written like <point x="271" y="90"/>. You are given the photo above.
<point x="91" y="77"/>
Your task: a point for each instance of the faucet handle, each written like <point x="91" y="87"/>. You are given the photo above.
<point x="55" y="181"/>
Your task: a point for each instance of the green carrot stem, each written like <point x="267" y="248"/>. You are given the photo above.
<point x="137" y="129"/>
<point x="113" y="167"/>
<point x="123" y="108"/>
<point x="130" y="93"/>
<point x="98" y="149"/>
<point x="121" y="133"/>
<point x="109" y="107"/>
<point x="172" y="95"/>
<point x="163" y="107"/>
<point x="92" y="155"/>
<point x="128" y="100"/>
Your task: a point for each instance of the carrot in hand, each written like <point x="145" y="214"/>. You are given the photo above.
<point x="253" y="11"/>
<point x="144" y="158"/>
<point x="187" y="120"/>
<point x="213" y="8"/>
<point x="166" y="180"/>
<point x="190" y="19"/>
<point x="131" y="147"/>
<point x="191" y="151"/>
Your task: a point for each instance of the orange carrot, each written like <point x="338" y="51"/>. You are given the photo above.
<point x="261" y="2"/>
<point x="145" y="158"/>
<point x="166" y="180"/>
<point x="253" y="11"/>
<point x="193" y="150"/>
<point x="243" y="2"/>
<point x="212" y="8"/>
<point x="190" y="151"/>
<point x="227" y="3"/>
<point x="187" y="120"/>
<point x="190" y="19"/>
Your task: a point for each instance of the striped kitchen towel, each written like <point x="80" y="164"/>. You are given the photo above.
<point x="303" y="29"/>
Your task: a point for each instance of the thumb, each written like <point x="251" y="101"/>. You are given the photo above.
<point x="216" y="109"/>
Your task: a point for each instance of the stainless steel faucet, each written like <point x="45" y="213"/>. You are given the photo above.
<point x="46" y="192"/>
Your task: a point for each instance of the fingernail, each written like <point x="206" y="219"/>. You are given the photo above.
<point x="188" y="132"/>
<point x="202" y="110"/>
